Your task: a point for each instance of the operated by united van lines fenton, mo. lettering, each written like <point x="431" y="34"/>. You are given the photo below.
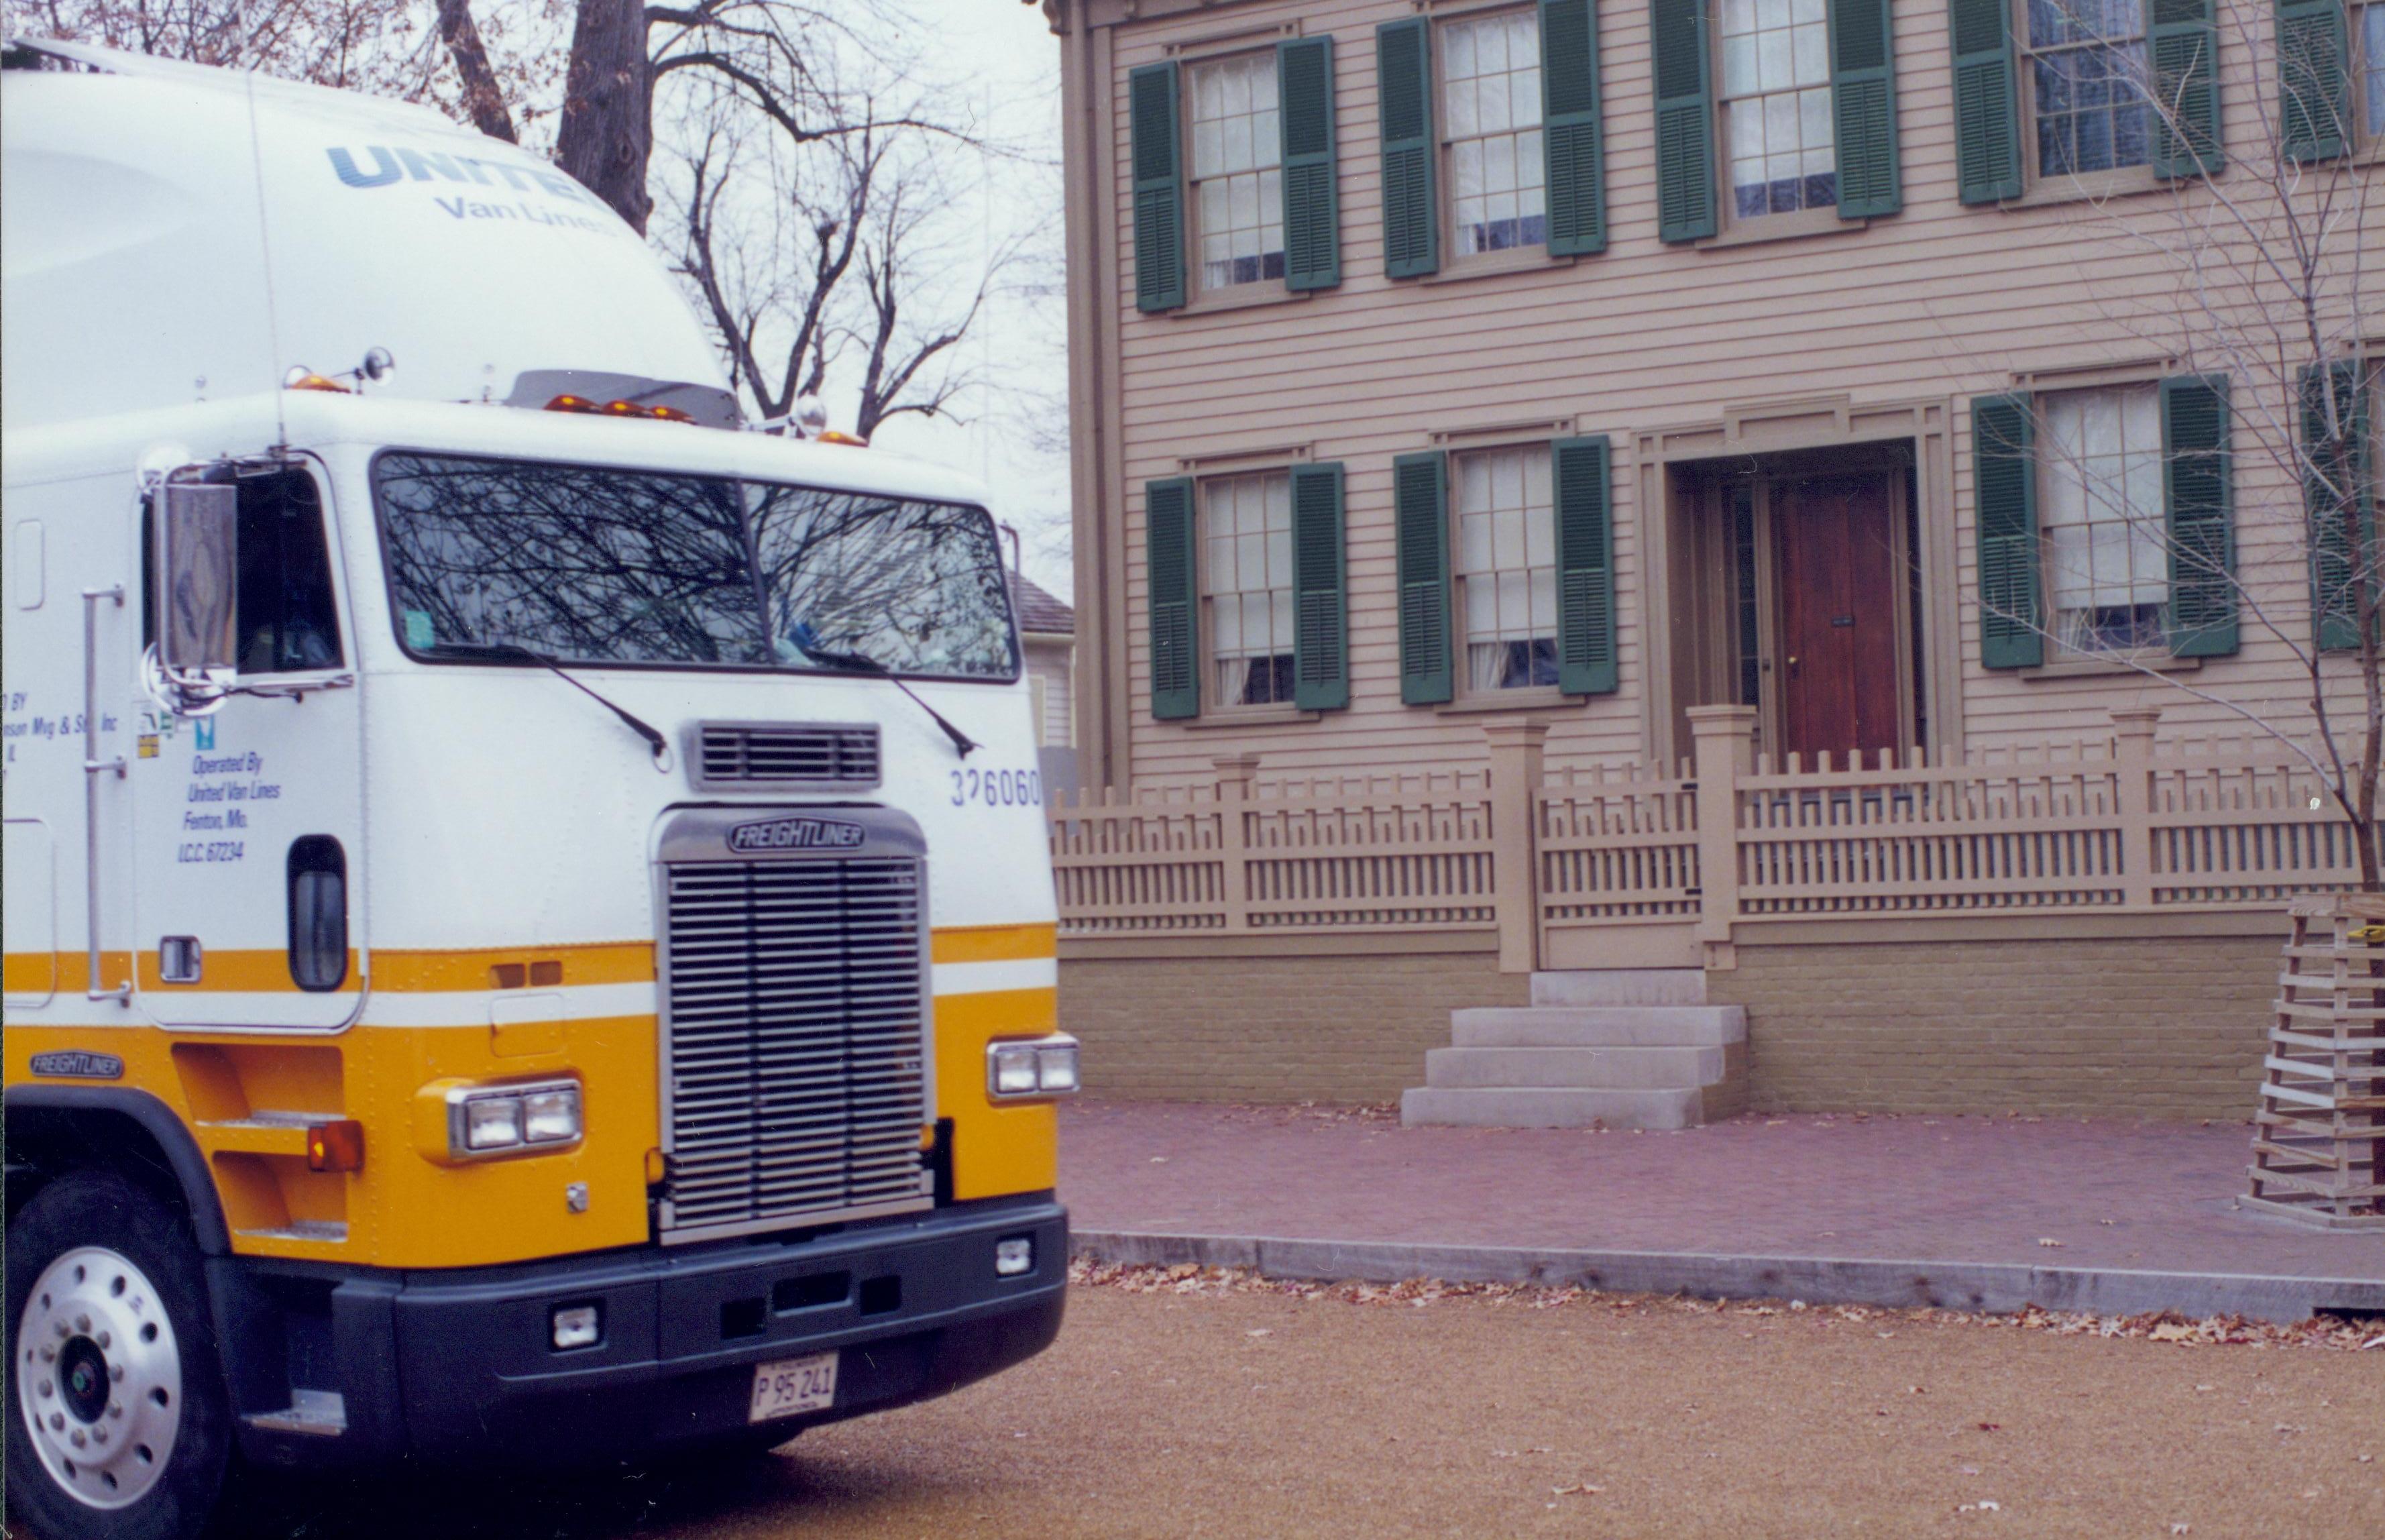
<point x="796" y="833"/>
<point x="78" y="1064"/>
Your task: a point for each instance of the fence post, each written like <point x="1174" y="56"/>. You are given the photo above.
<point x="1725" y="739"/>
<point x="1514" y="818"/>
<point x="2132" y="754"/>
<point x="1234" y="772"/>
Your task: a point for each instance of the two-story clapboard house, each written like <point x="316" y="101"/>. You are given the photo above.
<point x="1796" y="493"/>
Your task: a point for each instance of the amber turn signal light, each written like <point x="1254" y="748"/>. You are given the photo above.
<point x="336" y="1146"/>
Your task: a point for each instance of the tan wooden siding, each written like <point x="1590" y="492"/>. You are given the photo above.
<point x="1940" y="303"/>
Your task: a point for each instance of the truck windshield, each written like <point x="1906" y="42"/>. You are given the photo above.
<point x="588" y="563"/>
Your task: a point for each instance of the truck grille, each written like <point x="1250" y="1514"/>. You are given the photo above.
<point x="795" y="1040"/>
<point x="784" y="755"/>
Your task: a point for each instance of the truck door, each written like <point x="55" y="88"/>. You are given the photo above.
<point x="248" y="821"/>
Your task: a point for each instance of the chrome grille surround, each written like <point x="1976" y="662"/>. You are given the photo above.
<point x="795" y="1017"/>
<point x="784" y="756"/>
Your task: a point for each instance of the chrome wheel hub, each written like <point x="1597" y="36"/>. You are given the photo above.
<point x="99" y="1377"/>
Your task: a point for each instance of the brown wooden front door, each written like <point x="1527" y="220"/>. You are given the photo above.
<point x="1836" y="562"/>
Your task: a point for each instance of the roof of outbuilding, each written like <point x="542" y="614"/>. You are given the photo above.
<point x="1039" y="611"/>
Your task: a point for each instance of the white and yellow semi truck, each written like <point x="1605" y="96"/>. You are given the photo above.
<point x="529" y="928"/>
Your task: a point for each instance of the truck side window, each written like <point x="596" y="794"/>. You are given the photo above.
<point x="319" y="912"/>
<point x="287" y="619"/>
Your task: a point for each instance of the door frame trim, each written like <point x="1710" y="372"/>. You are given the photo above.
<point x="1763" y="428"/>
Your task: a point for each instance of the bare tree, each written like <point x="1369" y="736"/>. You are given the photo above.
<point x="2271" y="308"/>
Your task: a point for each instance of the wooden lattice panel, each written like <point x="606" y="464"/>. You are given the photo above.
<point x="2319" y="1141"/>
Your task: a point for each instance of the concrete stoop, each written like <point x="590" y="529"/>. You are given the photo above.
<point x="1625" y="1048"/>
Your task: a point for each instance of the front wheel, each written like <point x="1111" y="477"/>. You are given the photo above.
<point x="120" y="1426"/>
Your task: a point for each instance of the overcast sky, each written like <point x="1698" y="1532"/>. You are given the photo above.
<point x="1017" y="436"/>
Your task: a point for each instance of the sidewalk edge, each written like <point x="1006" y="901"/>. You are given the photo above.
<point x="1993" y="1287"/>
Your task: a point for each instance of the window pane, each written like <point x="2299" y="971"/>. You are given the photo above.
<point x="1506" y="564"/>
<point x="2100" y="474"/>
<point x="1236" y="147"/>
<point x="1492" y="109"/>
<point x="1246" y="580"/>
<point x="1777" y="109"/>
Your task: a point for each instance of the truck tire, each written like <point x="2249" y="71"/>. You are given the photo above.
<point x="119" y="1425"/>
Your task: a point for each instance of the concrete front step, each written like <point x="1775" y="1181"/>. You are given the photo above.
<point x="1598" y="1026"/>
<point x="1621" y="987"/>
<point x="1520" y="1107"/>
<point x="1576" y="1068"/>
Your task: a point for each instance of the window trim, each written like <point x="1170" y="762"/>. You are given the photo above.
<point x="1457" y="262"/>
<point x="1464" y="697"/>
<point x="1214" y="709"/>
<point x="2038" y="189"/>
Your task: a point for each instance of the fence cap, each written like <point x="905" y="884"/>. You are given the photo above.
<point x="2326" y="906"/>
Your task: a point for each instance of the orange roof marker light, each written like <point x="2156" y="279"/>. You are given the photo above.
<point x="618" y="409"/>
<point x="831" y="436"/>
<point x="301" y="378"/>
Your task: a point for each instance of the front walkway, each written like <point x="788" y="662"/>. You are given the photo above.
<point x="1974" y="1201"/>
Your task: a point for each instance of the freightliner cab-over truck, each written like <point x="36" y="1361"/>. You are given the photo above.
<point x="529" y="934"/>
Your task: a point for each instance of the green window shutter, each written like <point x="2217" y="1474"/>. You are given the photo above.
<point x="1158" y="188"/>
<point x="2004" y="491"/>
<point x="1585" y="567"/>
<point x="1312" y="213"/>
<point x="1863" y="91"/>
<point x="2196" y="478"/>
<point x="1404" y="98"/>
<point x="1571" y="140"/>
<point x="1169" y="568"/>
<point x="1685" y="180"/>
<point x="1320" y="636"/>
<point x="2314" y="80"/>
<point x="1420" y="518"/>
<point x="1987" y="105"/>
<point x="2339" y="496"/>
<point x="2184" y="36"/>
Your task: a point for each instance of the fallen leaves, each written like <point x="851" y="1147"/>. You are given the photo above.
<point x="1581" y="1489"/>
<point x="2166" y="1327"/>
<point x="2048" y="1240"/>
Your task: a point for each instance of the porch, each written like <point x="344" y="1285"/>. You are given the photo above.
<point x="2088" y="929"/>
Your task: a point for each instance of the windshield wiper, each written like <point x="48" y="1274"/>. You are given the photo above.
<point x="807" y="643"/>
<point x="655" y="739"/>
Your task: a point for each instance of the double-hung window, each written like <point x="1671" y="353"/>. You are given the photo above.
<point x="1232" y="163"/>
<point x="1246" y="587"/>
<point x="1237" y="170"/>
<point x="2105" y="521"/>
<point x="1505" y="570"/>
<point x="1778" y="135"/>
<point x="2100" y="479"/>
<point x="1792" y="102"/>
<point x="1491" y="116"/>
<point x="2102" y="96"/>
<point x="2087" y="81"/>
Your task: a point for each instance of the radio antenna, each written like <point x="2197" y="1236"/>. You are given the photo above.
<point x="264" y="250"/>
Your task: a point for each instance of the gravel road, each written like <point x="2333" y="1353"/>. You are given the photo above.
<point x="1233" y="1412"/>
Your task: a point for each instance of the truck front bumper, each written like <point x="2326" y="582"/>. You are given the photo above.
<point x="461" y="1366"/>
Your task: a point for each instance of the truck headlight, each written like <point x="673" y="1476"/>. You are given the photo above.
<point x="485" y="1121"/>
<point x="1028" y="1066"/>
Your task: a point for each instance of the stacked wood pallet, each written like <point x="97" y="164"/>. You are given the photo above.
<point x="2319" y="1141"/>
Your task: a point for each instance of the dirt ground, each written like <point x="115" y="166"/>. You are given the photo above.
<point x="1191" y="1407"/>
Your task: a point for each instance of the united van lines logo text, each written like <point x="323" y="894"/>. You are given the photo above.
<point x="77" y="1064"/>
<point x="796" y="833"/>
<point x="389" y="165"/>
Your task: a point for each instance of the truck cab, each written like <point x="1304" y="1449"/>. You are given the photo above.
<point x="528" y="931"/>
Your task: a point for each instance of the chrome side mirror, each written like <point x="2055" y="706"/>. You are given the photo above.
<point x="197" y="592"/>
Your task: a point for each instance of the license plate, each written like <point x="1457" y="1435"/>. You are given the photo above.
<point x="791" y="1385"/>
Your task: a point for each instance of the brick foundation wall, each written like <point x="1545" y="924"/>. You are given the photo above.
<point x="2155" y="1028"/>
<point x="2160" y="1028"/>
<point x="1271" y="1028"/>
